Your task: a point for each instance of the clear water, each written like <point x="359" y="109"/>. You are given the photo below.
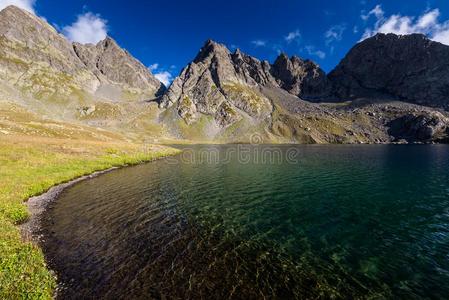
<point x="333" y="222"/>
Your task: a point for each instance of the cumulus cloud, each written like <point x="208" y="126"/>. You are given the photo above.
<point x="24" y="4"/>
<point x="259" y="43"/>
<point x="427" y="24"/>
<point x="165" y="77"/>
<point x="88" y="28"/>
<point x="334" y="34"/>
<point x="311" y="50"/>
<point x="293" y="36"/>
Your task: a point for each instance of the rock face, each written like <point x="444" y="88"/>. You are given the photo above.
<point x="34" y="57"/>
<point x="304" y="79"/>
<point x="218" y="81"/>
<point x="43" y="63"/>
<point x="220" y="84"/>
<point x="422" y="127"/>
<point x="411" y="68"/>
<point x="110" y="63"/>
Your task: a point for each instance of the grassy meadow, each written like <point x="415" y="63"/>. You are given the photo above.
<point x="30" y="165"/>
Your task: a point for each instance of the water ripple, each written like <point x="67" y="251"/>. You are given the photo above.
<point x="342" y="222"/>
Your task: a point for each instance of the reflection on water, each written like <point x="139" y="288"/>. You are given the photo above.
<point x="335" y="221"/>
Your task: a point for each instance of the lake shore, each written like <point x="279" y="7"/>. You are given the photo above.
<point x="33" y="165"/>
<point x="37" y="205"/>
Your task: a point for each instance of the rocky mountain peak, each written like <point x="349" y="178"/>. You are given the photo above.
<point x="12" y="10"/>
<point x="302" y="78"/>
<point x="42" y="62"/>
<point x="219" y="84"/>
<point x="408" y="67"/>
<point x="109" y="43"/>
<point x="33" y="53"/>
<point x="282" y="58"/>
<point x="21" y="25"/>
<point x="217" y="76"/>
<point x="211" y="49"/>
<point x="113" y="64"/>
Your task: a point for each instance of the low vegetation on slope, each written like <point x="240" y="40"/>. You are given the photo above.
<point x="30" y="166"/>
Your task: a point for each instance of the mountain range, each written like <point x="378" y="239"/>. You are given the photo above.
<point x="388" y="88"/>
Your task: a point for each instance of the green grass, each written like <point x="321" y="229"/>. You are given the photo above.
<point x="30" y="166"/>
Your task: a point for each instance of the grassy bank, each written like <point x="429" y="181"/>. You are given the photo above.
<point x="30" y="166"/>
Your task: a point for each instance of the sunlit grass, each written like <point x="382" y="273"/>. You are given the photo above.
<point x="30" y="166"/>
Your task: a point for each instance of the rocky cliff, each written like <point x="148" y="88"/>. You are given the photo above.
<point x="302" y="78"/>
<point x="112" y="64"/>
<point x="41" y="62"/>
<point x="410" y="68"/>
<point x="227" y="85"/>
<point x="220" y="84"/>
<point x="35" y="58"/>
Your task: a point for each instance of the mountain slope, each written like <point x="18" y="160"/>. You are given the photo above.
<point x="114" y="65"/>
<point x="224" y="96"/>
<point x="231" y="95"/>
<point x="302" y="78"/>
<point x="213" y="84"/>
<point x="409" y="67"/>
<point x="35" y="58"/>
<point x="38" y="60"/>
<point x="98" y="85"/>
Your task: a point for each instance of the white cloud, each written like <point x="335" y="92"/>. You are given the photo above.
<point x="376" y="11"/>
<point x="153" y="67"/>
<point x="88" y="28"/>
<point x="293" y="36"/>
<point x="334" y="34"/>
<point x="259" y="43"/>
<point x="311" y="50"/>
<point x="24" y="4"/>
<point x="427" y="24"/>
<point x="165" y="77"/>
<point x="428" y="19"/>
<point x="442" y="36"/>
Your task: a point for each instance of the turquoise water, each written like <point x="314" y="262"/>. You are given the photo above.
<point x="248" y="222"/>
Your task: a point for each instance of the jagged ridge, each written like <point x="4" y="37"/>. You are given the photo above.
<point x="216" y="74"/>
<point x="34" y="57"/>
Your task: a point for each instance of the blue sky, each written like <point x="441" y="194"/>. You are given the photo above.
<point x="167" y="34"/>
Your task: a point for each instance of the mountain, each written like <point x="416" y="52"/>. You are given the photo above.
<point x="221" y="90"/>
<point x="220" y="84"/>
<point x="97" y="85"/>
<point x="114" y="65"/>
<point x="229" y="96"/>
<point x="411" y="68"/>
<point x="387" y="89"/>
<point x="41" y="62"/>
<point x="35" y="58"/>
<point x="302" y="78"/>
